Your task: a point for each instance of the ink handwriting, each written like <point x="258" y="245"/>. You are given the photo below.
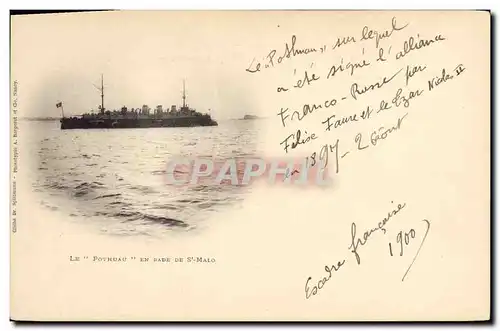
<point x="413" y="44"/>
<point x="295" y="140"/>
<point x="367" y="33"/>
<point x="428" y="224"/>
<point x="271" y="59"/>
<point x="306" y="110"/>
<point x="313" y="287"/>
<point x="391" y="93"/>
<point x="356" y="242"/>
<point x="356" y="91"/>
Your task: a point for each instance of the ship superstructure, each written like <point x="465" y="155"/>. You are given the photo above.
<point x="140" y="117"/>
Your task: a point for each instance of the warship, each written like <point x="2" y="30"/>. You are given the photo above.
<point x="250" y="117"/>
<point x="141" y="117"/>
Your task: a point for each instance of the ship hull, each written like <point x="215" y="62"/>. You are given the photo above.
<point x="131" y="123"/>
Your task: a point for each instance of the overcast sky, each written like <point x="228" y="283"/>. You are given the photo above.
<point x="144" y="57"/>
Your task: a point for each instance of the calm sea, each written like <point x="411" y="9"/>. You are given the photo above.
<point x="115" y="180"/>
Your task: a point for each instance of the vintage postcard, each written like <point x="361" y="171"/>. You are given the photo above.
<point x="250" y="166"/>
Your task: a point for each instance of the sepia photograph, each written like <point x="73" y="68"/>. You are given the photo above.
<point x="115" y="112"/>
<point x="211" y="165"/>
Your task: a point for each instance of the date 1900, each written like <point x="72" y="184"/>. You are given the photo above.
<point x="404" y="239"/>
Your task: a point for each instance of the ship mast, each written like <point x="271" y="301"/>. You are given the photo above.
<point x="102" y="93"/>
<point x="183" y="93"/>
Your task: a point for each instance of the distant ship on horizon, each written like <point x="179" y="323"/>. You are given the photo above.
<point x="137" y="118"/>
<point x="250" y="117"/>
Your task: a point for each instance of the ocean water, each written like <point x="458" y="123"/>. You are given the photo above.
<point x="116" y="180"/>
